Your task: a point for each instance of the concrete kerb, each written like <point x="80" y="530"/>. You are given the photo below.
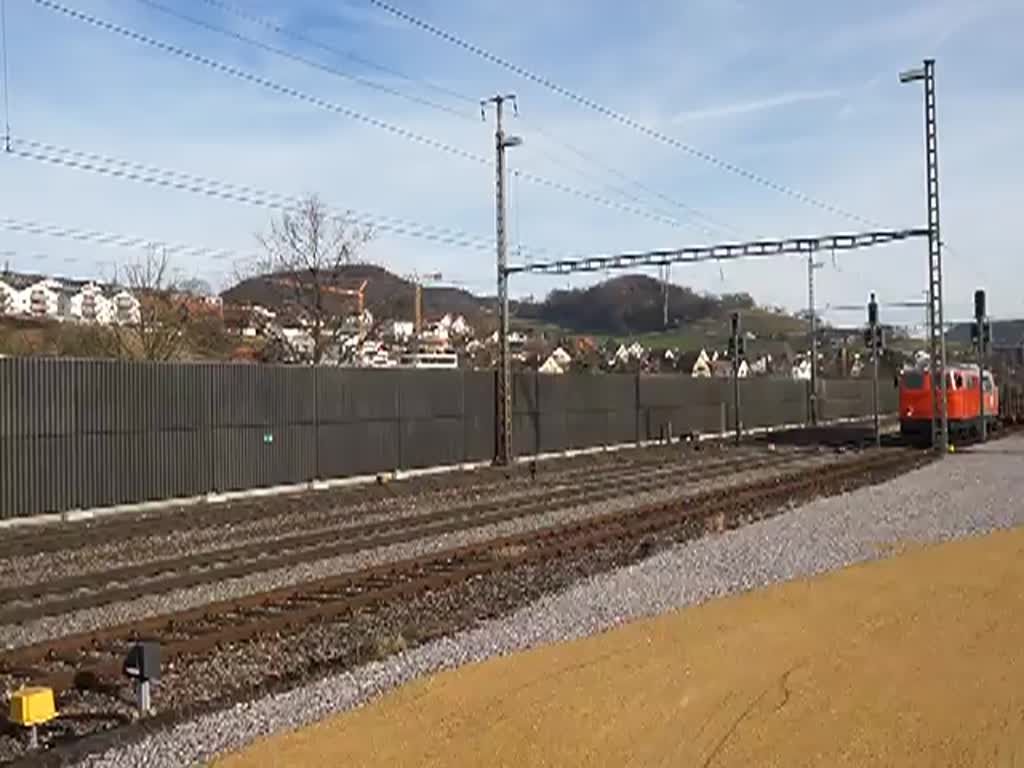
<point x="86" y="515"/>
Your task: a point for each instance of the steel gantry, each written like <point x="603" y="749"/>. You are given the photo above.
<point x="685" y="255"/>
<point x="722" y="252"/>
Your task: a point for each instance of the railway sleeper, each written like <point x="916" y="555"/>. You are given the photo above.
<point x="659" y="519"/>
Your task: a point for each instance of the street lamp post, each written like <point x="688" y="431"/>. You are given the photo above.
<point x="937" y="333"/>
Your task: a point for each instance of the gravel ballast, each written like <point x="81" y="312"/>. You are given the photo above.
<point x="971" y="493"/>
<point x="12" y="636"/>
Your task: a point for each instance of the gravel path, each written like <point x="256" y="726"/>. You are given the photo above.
<point x="16" y="635"/>
<point x="968" y="494"/>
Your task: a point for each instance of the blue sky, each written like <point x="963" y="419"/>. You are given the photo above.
<point x="802" y="93"/>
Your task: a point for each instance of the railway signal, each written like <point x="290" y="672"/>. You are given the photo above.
<point x="737" y="351"/>
<point x="981" y="334"/>
<point x="874" y="338"/>
<point x="142" y="664"/>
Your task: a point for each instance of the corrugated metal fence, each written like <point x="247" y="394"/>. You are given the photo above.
<point x="78" y="434"/>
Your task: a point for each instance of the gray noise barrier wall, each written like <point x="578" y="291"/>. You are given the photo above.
<point x="79" y="434"/>
<point x="680" y="405"/>
<point x="852" y="398"/>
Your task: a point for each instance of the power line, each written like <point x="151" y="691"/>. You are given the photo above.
<point x="582" y="194"/>
<point x="278" y="29"/>
<point x="619" y="117"/>
<point x="592" y="176"/>
<point x="301" y="59"/>
<point x="261" y="81"/>
<point x="266" y="23"/>
<point x="241" y="193"/>
<point x="97" y="268"/>
<point x="705" y="221"/>
<point x="391" y="91"/>
<point x="130" y="242"/>
<point x="337" y="108"/>
<point x="272" y="201"/>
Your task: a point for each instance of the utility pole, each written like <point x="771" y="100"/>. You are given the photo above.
<point x="503" y="390"/>
<point x="937" y="334"/>
<point x="736" y="350"/>
<point x="812" y="265"/>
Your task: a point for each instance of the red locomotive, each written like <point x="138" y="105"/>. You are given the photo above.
<point x="963" y="406"/>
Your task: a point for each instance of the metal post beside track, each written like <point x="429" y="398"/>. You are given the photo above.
<point x="874" y="339"/>
<point x="736" y="342"/>
<point x="937" y="333"/>
<point x="980" y="334"/>
<point x="503" y="415"/>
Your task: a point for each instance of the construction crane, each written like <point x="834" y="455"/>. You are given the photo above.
<point x="359" y="293"/>
<point x="418" y="280"/>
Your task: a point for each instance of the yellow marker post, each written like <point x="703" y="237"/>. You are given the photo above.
<point x="32" y="707"/>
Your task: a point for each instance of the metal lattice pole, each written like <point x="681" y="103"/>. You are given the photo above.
<point x="503" y="390"/>
<point x="937" y="340"/>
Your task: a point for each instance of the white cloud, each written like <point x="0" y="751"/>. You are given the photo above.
<point x="753" y="106"/>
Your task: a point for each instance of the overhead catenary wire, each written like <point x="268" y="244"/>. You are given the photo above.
<point x="305" y="61"/>
<point x="705" y="223"/>
<point x="554" y="159"/>
<point x="619" y="117"/>
<point x="98" y="274"/>
<point x="976" y="264"/>
<point x="266" y="23"/>
<point x="367" y="83"/>
<point x="242" y="193"/>
<point x="112" y="239"/>
<point x="261" y="81"/>
<point x="239" y="195"/>
<point x="324" y="104"/>
<point x="278" y="29"/>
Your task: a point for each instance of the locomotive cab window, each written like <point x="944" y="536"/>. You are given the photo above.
<point x="913" y="380"/>
<point x="958" y="381"/>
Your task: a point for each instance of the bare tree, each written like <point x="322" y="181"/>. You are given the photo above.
<point x="306" y="250"/>
<point x="156" y="328"/>
<point x="196" y="286"/>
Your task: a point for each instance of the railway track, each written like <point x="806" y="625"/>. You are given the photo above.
<point x="313" y="505"/>
<point x="88" y="658"/>
<point x="87" y="590"/>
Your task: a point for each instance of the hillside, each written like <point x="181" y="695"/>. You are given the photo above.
<point x="630" y="305"/>
<point x="1005" y="333"/>
<point x="387" y="295"/>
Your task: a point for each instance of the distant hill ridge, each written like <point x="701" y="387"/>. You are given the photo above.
<point x="387" y="295"/>
<point x="629" y="304"/>
<point x="1005" y="333"/>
